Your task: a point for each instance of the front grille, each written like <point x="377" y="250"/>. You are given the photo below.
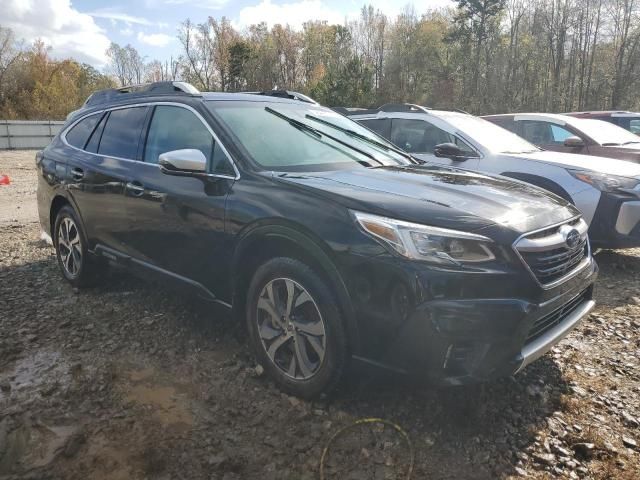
<point x="555" y="318"/>
<point x="554" y="264"/>
<point x="547" y="254"/>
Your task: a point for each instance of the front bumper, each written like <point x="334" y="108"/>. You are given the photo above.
<point x="616" y="223"/>
<point x="476" y="337"/>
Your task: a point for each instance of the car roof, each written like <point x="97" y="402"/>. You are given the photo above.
<point x="177" y="91"/>
<point x="389" y="113"/>
<point x="611" y="113"/>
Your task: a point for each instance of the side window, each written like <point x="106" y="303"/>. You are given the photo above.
<point x="94" y="140"/>
<point x="418" y="136"/>
<point x="79" y="134"/>
<point x="382" y="126"/>
<point x="634" y="126"/>
<point x="560" y="134"/>
<point x="538" y="133"/>
<point x="175" y="128"/>
<point x="121" y="133"/>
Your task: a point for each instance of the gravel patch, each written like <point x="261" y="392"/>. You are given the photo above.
<point x="128" y="380"/>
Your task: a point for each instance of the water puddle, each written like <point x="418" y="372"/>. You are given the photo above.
<point x="41" y="372"/>
<point x="167" y="402"/>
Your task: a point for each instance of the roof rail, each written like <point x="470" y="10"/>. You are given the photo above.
<point x="286" y="94"/>
<point x="354" y="110"/>
<point x="144" y="89"/>
<point x="403" y="107"/>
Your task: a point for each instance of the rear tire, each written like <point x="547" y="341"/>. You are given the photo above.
<point x="77" y="265"/>
<point x="295" y="328"/>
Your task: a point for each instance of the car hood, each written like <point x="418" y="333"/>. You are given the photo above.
<point x="606" y="165"/>
<point x="439" y="196"/>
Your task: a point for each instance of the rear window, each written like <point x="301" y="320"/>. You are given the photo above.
<point x="79" y="134"/>
<point x="121" y="134"/>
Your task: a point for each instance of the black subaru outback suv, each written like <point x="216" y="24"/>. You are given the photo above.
<point x="332" y="245"/>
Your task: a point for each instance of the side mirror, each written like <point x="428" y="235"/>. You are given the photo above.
<point x="449" y="150"/>
<point x="573" y="142"/>
<point x="183" y="162"/>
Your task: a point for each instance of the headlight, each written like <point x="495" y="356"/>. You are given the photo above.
<point x="421" y="242"/>
<point x="604" y="182"/>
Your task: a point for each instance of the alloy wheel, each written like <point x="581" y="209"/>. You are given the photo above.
<point x="291" y="328"/>
<point x="70" y="246"/>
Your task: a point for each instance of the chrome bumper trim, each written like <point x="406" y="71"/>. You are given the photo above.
<point x="545" y="342"/>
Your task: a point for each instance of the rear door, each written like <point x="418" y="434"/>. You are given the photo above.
<point x="176" y="223"/>
<point x="114" y="149"/>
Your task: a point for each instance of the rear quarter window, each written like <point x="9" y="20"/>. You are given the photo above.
<point x="79" y="133"/>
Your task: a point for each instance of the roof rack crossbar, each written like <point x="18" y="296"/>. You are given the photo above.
<point x="155" y="88"/>
<point x="286" y="94"/>
<point x="403" y="107"/>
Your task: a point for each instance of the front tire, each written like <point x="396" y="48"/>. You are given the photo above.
<point x="295" y="328"/>
<point x="74" y="259"/>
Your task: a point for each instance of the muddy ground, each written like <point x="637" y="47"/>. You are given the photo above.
<point x="128" y="381"/>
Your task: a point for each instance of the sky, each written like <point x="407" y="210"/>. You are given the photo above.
<point x="84" y="29"/>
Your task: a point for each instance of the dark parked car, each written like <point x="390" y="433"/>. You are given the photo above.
<point x="627" y="120"/>
<point x="562" y="133"/>
<point x="329" y="242"/>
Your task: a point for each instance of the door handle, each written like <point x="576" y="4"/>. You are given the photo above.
<point x="136" y="188"/>
<point x="77" y="173"/>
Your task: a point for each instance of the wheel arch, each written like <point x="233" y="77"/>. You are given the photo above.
<point x="263" y="241"/>
<point x="57" y="203"/>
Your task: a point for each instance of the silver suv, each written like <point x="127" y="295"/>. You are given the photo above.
<point x="606" y="191"/>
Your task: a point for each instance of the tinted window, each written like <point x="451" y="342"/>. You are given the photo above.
<point x="537" y="132"/>
<point x="122" y="132"/>
<point x="418" y="136"/>
<point x="79" y="134"/>
<point x="176" y="128"/>
<point x="381" y="126"/>
<point x="94" y="140"/>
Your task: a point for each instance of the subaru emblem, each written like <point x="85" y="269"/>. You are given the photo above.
<point x="572" y="238"/>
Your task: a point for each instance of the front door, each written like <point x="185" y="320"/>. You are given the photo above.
<point x="420" y="138"/>
<point x="550" y="136"/>
<point x="176" y="223"/>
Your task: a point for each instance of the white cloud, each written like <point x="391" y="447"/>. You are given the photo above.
<point x="111" y="14"/>
<point x="294" y="14"/>
<point x="154" y="39"/>
<point x="118" y="16"/>
<point x="68" y="32"/>
<point x="209" y="4"/>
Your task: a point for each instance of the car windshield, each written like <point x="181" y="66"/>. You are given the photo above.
<point x="489" y="135"/>
<point x="285" y="136"/>
<point x="605" y="133"/>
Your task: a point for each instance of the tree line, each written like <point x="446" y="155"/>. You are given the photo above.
<point x="483" y="56"/>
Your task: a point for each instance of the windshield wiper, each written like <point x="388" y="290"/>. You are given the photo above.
<point x="364" y="138"/>
<point x="629" y="143"/>
<point x="318" y="134"/>
<point x="611" y="144"/>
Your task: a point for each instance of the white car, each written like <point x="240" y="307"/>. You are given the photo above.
<point x="606" y="191"/>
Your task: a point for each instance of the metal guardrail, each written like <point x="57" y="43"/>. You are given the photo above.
<point x="27" y="134"/>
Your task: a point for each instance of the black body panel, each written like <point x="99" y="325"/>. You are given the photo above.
<point x="402" y="313"/>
